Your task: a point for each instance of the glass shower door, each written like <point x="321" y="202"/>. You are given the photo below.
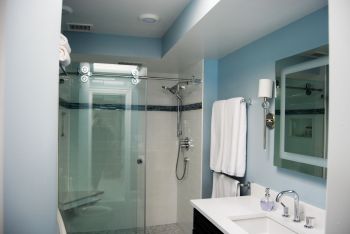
<point x="101" y="155"/>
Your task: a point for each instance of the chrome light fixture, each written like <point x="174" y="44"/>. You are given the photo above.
<point x="266" y="91"/>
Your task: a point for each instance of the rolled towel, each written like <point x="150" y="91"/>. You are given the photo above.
<point x="64" y="56"/>
<point x="64" y="42"/>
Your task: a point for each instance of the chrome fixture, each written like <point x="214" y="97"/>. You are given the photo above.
<point x="186" y="143"/>
<point x="139" y="161"/>
<point x="285" y="210"/>
<point x="84" y="71"/>
<point x="270" y="121"/>
<point x="296" y="202"/>
<point x="309" y="222"/>
<point x="266" y="89"/>
<point x="247" y="101"/>
<point x="175" y="90"/>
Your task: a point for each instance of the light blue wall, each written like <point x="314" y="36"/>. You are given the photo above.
<point x="112" y="45"/>
<point x="239" y="73"/>
<point x="210" y="94"/>
<point x="191" y="15"/>
<point x="31" y="115"/>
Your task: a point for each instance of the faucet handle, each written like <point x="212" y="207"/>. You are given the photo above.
<point x="285" y="210"/>
<point x="309" y="222"/>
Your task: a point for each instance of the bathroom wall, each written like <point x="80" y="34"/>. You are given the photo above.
<point x="111" y="45"/>
<point x="161" y="185"/>
<point x="239" y="73"/>
<point x="338" y="189"/>
<point x="191" y="186"/>
<point x="210" y="94"/>
<point x="2" y="67"/>
<point x="30" y="165"/>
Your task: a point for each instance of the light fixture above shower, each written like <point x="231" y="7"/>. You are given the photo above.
<point x="124" y="70"/>
<point x="113" y="68"/>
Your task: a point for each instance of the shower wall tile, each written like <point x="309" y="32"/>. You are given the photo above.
<point x="193" y="92"/>
<point x="167" y="200"/>
<point x="191" y="186"/>
<point x="161" y="186"/>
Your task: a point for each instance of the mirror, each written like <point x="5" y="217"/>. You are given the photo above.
<point x="302" y="112"/>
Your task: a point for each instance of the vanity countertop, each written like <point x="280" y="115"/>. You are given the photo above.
<point x="221" y="212"/>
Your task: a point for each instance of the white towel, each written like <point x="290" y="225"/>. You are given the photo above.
<point x="224" y="186"/>
<point x="64" y="56"/>
<point x="217" y="136"/>
<point x="64" y="42"/>
<point x="228" y="137"/>
<point x="61" y="227"/>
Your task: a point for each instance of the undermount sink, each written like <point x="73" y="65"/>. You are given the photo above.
<point x="262" y="225"/>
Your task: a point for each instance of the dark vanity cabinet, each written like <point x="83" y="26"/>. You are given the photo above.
<point x="201" y="225"/>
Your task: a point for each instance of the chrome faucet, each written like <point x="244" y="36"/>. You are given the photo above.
<point x="296" y="203"/>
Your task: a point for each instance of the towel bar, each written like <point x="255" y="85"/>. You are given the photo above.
<point x="240" y="184"/>
<point x="248" y="101"/>
<point x="246" y="184"/>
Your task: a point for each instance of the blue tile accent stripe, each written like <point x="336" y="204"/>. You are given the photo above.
<point x="302" y="112"/>
<point x="76" y="105"/>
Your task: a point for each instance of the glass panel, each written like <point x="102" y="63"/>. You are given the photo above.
<point x="305" y="112"/>
<point x="102" y="154"/>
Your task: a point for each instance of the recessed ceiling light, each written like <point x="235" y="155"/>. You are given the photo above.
<point x="149" y="18"/>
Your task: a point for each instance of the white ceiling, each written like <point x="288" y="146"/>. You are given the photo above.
<point x="120" y="17"/>
<point x="230" y="25"/>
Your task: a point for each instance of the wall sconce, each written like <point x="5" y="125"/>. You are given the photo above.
<point x="265" y="91"/>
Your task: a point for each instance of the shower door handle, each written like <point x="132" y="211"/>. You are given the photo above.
<point x="139" y="161"/>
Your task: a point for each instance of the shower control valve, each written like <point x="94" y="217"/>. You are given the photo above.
<point x="186" y="143"/>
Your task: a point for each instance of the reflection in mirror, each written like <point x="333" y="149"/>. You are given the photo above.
<point x="302" y="112"/>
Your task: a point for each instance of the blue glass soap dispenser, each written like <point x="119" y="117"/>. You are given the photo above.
<point x="266" y="203"/>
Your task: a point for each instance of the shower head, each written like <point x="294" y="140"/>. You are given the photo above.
<point x="174" y="90"/>
<point x="171" y="90"/>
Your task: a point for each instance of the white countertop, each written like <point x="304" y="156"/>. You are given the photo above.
<point x="221" y="212"/>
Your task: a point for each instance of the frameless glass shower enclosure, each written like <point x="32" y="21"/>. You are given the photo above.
<point x="101" y="154"/>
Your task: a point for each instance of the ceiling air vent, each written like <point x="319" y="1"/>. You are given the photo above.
<point x="77" y="27"/>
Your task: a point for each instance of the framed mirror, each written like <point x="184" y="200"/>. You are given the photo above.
<point x="302" y="112"/>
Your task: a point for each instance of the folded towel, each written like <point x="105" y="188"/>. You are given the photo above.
<point x="228" y="137"/>
<point x="64" y="56"/>
<point x="64" y="43"/>
<point x="224" y="186"/>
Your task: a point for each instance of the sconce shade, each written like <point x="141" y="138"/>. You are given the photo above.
<point x="265" y="88"/>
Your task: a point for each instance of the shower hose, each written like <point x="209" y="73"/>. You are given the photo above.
<point x="177" y="163"/>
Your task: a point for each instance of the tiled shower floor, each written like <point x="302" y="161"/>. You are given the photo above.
<point x="160" y="229"/>
<point x="165" y="229"/>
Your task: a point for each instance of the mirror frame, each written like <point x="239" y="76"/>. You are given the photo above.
<point x="320" y="169"/>
<point x="323" y="61"/>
